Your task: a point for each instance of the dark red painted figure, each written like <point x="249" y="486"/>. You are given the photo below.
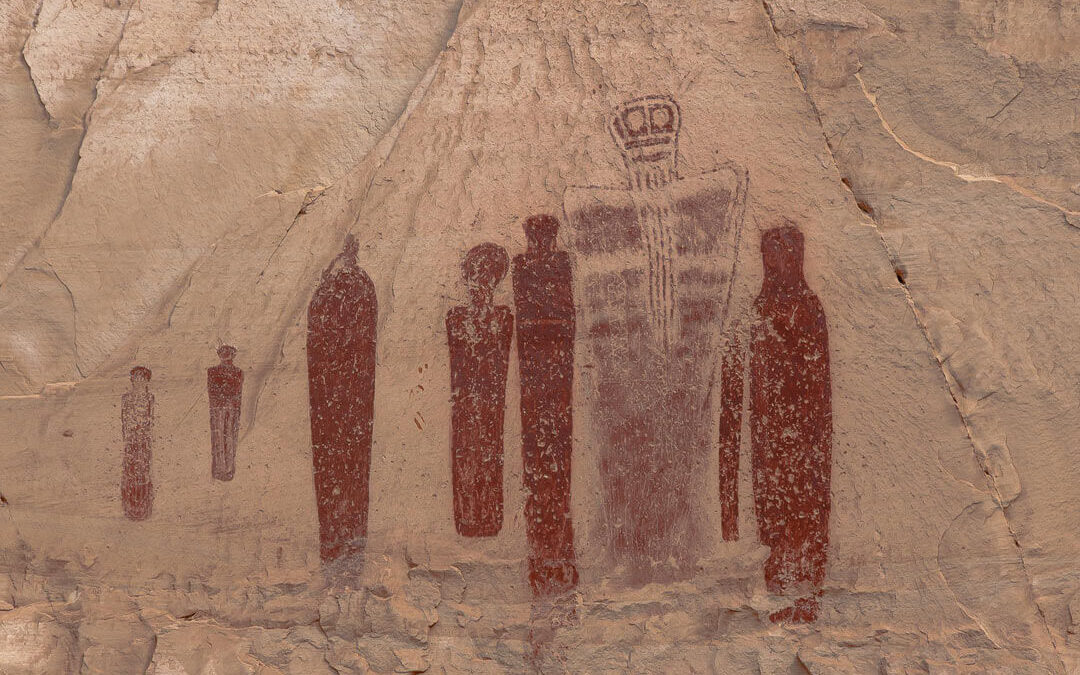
<point x="731" y="407"/>
<point x="655" y="262"/>
<point x="224" y="387"/>
<point x="137" y="423"/>
<point x="341" y="387"/>
<point x="479" y="336"/>
<point x="790" y="425"/>
<point x="544" y="300"/>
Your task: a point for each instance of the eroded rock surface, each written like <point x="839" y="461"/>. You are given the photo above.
<point x="180" y="176"/>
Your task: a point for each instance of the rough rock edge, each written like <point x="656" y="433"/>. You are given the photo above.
<point x="950" y="384"/>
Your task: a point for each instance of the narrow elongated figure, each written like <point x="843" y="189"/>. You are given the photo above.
<point x="733" y="358"/>
<point x="224" y="388"/>
<point x="790" y="425"/>
<point x="137" y="428"/>
<point x="479" y="336"/>
<point x="544" y="300"/>
<point x="341" y="388"/>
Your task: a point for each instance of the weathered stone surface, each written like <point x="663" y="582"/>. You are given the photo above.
<point x="177" y="176"/>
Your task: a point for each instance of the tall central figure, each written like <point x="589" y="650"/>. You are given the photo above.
<point x="655" y="262"/>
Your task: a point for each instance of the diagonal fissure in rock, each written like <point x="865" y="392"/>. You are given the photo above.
<point x="86" y="118"/>
<point x="950" y="383"/>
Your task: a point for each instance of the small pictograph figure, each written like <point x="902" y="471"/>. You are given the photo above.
<point x="224" y="388"/>
<point x="137" y="424"/>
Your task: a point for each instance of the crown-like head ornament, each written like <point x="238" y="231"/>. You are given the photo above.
<point x="646" y="129"/>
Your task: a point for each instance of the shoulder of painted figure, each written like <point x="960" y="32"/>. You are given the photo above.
<point x="225" y="371"/>
<point x="355" y="275"/>
<point x="561" y="261"/>
<point x="555" y="265"/>
<point x="455" y="317"/>
<point x="728" y="175"/>
<point x="812" y="304"/>
<point x="588" y="199"/>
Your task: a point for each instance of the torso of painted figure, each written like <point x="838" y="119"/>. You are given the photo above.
<point x="790" y="420"/>
<point x="656" y="267"/>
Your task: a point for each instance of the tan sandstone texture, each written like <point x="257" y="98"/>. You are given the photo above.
<point x="178" y="175"/>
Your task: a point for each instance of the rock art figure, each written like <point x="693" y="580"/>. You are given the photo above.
<point x="341" y="388"/>
<point x="544" y="300"/>
<point x="224" y="387"/>
<point x="655" y="263"/>
<point x="479" y="336"/>
<point x="137" y="427"/>
<point x="790" y="425"/>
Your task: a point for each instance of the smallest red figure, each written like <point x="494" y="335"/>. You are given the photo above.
<point x="224" y="386"/>
<point x="137" y="420"/>
<point x="479" y="339"/>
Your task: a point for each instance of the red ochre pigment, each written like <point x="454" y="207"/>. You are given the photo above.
<point x="341" y="388"/>
<point x="790" y="425"/>
<point x="655" y="261"/>
<point x="224" y="387"/>
<point x="544" y="300"/>
<point x="137" y="423"/>
<point x="478" y="335"/>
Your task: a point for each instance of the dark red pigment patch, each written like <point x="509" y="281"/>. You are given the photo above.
<point x="731" y="406"/>
<point x="544" y="300"/>
<point x="341" y="388"/>
<point x="224" y="388"/>
<point x="478" y="335"/>
<point x="137" y="427"/>
<point x="790" y="425"/>
<point x="656" y="262"/>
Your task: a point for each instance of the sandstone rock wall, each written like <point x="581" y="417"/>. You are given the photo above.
<point x="178" y="175"/>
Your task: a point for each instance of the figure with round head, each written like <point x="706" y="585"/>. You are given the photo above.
<point x="483" y="268"/>
<point x="544" y="300"/>
<point x="478" y="336"/>
<point x="140" y="375"/>
<point x="224" y="388"/>
<point x="137" y="425"/>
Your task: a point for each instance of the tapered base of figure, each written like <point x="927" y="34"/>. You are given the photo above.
<point x="334" y="545"/>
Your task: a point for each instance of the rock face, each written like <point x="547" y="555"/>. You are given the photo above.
<point x="766" y="363"/>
